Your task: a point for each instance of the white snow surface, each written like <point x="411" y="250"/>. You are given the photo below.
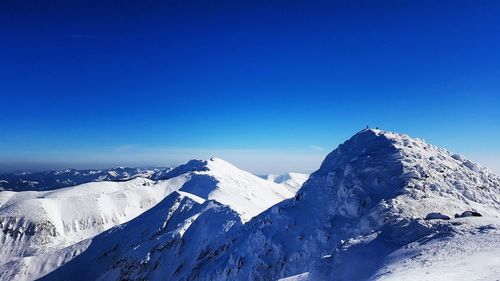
<point x="62" y="217"/>
<point x="470" y="252"/>
<point x="360" y="216"/>
<point x="293" y="181"/>
<point x="244" y="192"/>
<point x="298" y="277"/>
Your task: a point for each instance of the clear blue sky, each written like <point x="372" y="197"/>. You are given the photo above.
<point x="268" y="85"/>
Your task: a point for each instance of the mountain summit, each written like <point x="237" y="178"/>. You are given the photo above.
<point x="377" y="192"/>
<point x="216" y="179"/>
<point x="382" y="170"/>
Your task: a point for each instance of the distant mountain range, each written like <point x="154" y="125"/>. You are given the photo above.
<point x="50" y="180"/>
<point x="382" y="206"/>
<point x="55" y="179"/>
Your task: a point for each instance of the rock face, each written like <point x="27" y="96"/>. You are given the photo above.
<point x="468" y="214"/>
<point x="360" y="216"/>
<point x="436" y="216"/>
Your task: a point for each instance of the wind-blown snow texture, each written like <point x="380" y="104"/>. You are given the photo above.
<point x="381" y="207"/>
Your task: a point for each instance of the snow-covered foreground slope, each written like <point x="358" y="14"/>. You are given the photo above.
<point x="293" y="181"/>
<point x="41" y="230"/>
<point x="470" y="252"/>
<point x="378" y="208"/>
<point x="467" y="250"/>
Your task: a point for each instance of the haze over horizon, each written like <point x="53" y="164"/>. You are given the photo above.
<point x="266" y="86"/>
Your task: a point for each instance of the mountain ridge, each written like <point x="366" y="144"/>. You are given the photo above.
<point x="382" y="205"/>
<point x="59" y="220"/>
<point x="364" y="202"/>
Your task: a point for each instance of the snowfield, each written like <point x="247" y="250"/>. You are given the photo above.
<point x="292" y="181"/>
<point x="382" y="206"/>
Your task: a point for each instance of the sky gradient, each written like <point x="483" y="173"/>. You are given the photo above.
<point x="271" y="86"/>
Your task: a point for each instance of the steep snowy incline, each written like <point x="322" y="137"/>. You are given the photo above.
<point x="376" y="191"/>
<point x="165" y="243"/>
<point x="293" y="181"/>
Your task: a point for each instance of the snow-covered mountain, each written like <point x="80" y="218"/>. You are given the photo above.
<point x="43" y="230"/>
<point x="50" y="180"/>
<point x="293" y="181"/>
<point x="382" y="206"/>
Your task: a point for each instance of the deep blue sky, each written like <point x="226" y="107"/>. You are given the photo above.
<point x="269" y="85"/>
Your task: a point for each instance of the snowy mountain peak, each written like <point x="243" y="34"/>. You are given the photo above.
<point x="216" y="179"/>
<point x="377" y="170"/>
<point x="375" y="193"/>
<point x="198" y="166"/>
<point x="218" y="163"/>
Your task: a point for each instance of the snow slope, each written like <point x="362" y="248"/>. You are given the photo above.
<point x="293" y="181"/>
<point x="176" y="232"/>
<point x="377" y="208"/>
<point x="470" y="252"/>
<point x="65" y="216"/>
<point x="42" y="230"/>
